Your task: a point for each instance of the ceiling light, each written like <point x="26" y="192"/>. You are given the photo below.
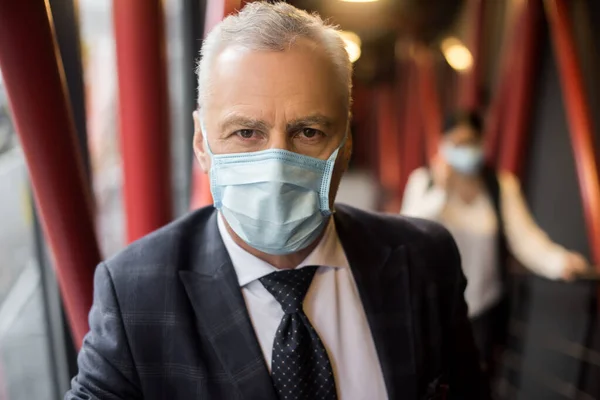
<point x="359" y="1"/>
<point x="457" y="54"/>
<point x="353" y="44"/>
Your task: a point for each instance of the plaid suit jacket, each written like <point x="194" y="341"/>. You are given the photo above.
<point x="169" y="320"/>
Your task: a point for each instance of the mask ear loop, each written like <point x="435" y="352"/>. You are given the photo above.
<point x="327" y="175"/>
<point x="335" y="153"/>
<point x="205" y="139"/>
<point x="211" y="173"/>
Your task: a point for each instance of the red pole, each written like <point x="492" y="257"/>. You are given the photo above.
<point x="372" y="127"/>
<point x="578" y="116"/>
<point x="470" y="82"/>
<point x="34" y="81"/>
<point x="494" y="121"/>
<point x="519" y="100"/>
<point x="388" y="146"/>
<point x="431" y="114"/>
<point x="216" y="10"/>
<point x="413" y="143"/>
<point x="361" y="126"/>
<point x="144" y="114"/>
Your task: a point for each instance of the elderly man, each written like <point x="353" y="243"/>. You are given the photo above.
<point x="275" y="293"/>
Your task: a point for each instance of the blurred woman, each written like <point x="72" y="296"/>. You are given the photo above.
<point x="485" y="211"/>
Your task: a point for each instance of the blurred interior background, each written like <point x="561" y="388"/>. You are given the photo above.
<point x="526" y="65"/>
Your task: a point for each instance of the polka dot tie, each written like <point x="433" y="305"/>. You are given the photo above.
<point x="300" y="368"/>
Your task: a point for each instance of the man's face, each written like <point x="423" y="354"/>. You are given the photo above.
<point x="274" y="100"/>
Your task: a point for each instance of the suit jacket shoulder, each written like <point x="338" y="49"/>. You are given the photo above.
<point x="146" y="275"/>
<point x="167" y="250"/>
<point x="427" y="240"/>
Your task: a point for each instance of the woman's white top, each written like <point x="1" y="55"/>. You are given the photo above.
<point x="475" y="228"/>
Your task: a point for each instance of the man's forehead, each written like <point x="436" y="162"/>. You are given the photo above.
<point x="248" y="79"/>
<point x="243" y="62"/>
<point x="234" y="51"/>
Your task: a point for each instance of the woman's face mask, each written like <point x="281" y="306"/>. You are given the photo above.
<point x="465" y="159"/>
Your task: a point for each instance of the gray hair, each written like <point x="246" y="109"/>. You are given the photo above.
<point x="262" y="26"/>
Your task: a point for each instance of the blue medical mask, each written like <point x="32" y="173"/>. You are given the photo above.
<point x="464" y="159"/>
<point x="275" y="200"/>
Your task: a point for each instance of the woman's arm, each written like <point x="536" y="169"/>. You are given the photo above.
<point x="528" y="242"/>
<point x="421" y="198"/>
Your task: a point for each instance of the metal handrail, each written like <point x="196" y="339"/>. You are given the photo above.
<point x="592" y="274"/>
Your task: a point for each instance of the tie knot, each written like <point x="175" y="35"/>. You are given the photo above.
<point x="289" y="287"/>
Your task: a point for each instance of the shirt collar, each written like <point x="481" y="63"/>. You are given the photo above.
<point x="248" y="268"/>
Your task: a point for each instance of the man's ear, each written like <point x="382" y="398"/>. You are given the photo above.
<point x="199" y="148"/>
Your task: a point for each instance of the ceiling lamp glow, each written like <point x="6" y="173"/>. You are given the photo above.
<point x="457" y="54"/>
<point x="359" y="1"/>
<point x="353" y="44"/>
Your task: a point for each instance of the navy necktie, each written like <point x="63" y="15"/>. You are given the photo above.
<point x="300" y="367"/>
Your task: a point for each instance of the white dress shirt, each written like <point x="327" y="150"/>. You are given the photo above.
<point x="475" y="228"/>
<point x="333" y="306"/>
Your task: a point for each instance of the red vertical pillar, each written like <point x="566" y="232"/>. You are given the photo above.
<point x="36" y="89"/>
<point x="388" y="146"/>
<point x="495" y="116"/>
<point x="362" y="130"/>
<point x="216" y="10"/>
<point x="144" y="114"/>
<point x="429" y="101"/>
<point x="413" y="143"/>
<point x="470" y="82"/>
<point x="372" y="125"/>
<point x="518" y="106"/>
<point x="494" y="121"/>
<point x="578" y="116"/>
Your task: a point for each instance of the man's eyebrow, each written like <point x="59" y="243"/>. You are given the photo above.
<point x="315" y="119"/>
<point x="243" y="122"/>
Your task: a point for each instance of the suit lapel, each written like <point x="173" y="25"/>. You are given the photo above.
<point x="216" y="298"/>
<point x="382" y="276"/>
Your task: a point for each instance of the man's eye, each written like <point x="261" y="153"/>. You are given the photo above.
<point x="245" y="133"/>
<point x="310" y="133"/>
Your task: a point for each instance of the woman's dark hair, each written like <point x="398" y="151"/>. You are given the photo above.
<point x="470" y="119"/>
